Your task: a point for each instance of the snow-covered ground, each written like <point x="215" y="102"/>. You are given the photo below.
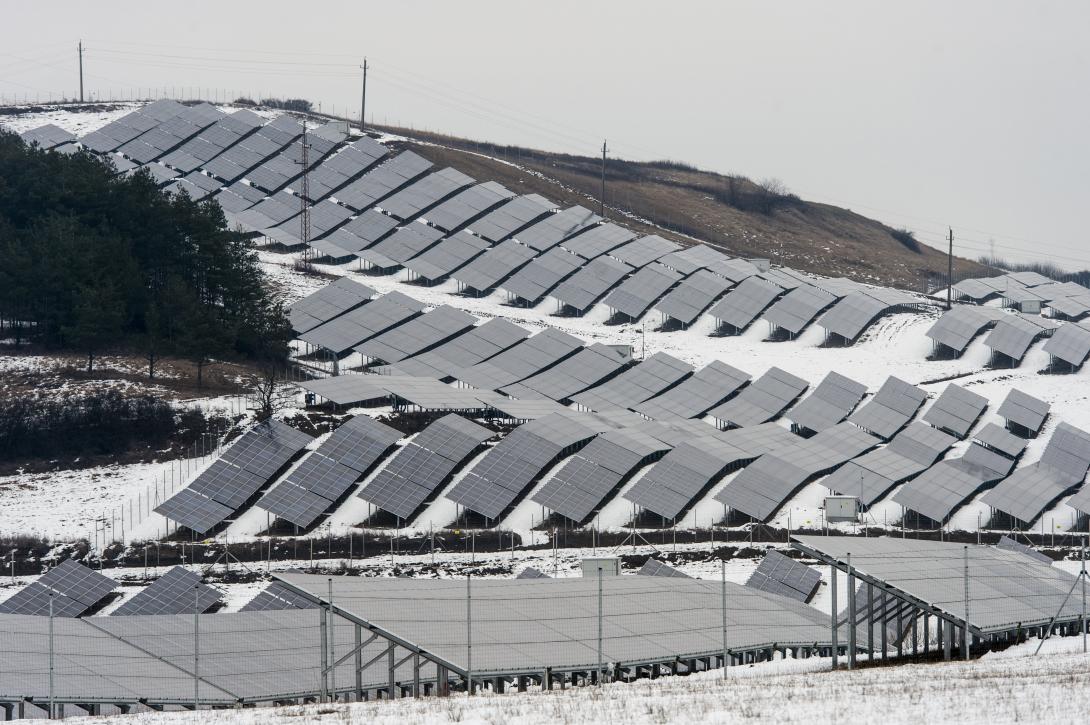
<point x="1006" y="687"/>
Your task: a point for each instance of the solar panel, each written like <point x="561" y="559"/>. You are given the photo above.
<point x="941" y="489"/>
<point x="1001" y="440"/>
<point x="555" y="228"/>
<point x="1008" y="544"/>
<point x="586" y="368"/>
<point x="643" y="251"/>
<point x="956" y="411"/>
<point x="346" y="164"/>
<point x="74" y="588"/>
<point x="361" y="324"/>
<point x="382" y="181"/>
<point x="474" y="346"/>
<point x="637" y="384"/>
<point x="424" y="465"/>
<point x="430" y="394"/>
<point x="783" y="575"/>
<point x="697" y="394"/>
<point x="467" y="205"/>
<point x="974" y="289"/>
<point x="767" y="483"/>
<point x="687" y="471"/>
<point x="895" y="403"/>
<point x="417" y="335"/>
<point x="422" y="195"/>
<point x="448" y="255"/>
<point x="654" y="567"/>
<point x="501" y="477"/>
<point x="1072" y="308"/>
<point x="689" y="260"/>
<point x="692" y="296"/>
<point x="831" y="402"/>
<point x="47" y="136"/>
<point x="598" y="240"/>
<point x="1013" y="335"/>
<point x="178" y="591"/>
<point x="596" y="471"/>
<point x="797" y="309"/>
<point x="639" y="292"/>
<point x="521" y="360"/>
<point x="277" y="597"/>
<point x="1024" y="410"/>
<point x="1070" y="343"/>
<point x="507" y="219"/>
<point x="544" y="272"/>
<point x="1027" y="492"/>
<point x="494" y="266"/>
<point x="761" y="401"/>
<point x="532" y="573"/>
<point x="589" y="283"/>
<point x="401" y="246"/>
<point x="327" y="303"/>
<point x="359" y="442"/>
<point x="849" y="317"/>
<point x="194" y="510"/>
<point x="961" y="324"/>
<point x="741" y="306"/>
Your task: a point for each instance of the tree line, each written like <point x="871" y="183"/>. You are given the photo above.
<point x="93" y="260"/>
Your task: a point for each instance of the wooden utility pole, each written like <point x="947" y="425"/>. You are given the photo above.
<point x="363" y="96"/>
<point x="950" y="271"/>
<point x="602" y="201"/>
<point x="80" y="47"/>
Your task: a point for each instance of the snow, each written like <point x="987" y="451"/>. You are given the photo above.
<point x="993" y="689"/>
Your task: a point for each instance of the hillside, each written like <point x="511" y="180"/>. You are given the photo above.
<point x="687" y="204"/>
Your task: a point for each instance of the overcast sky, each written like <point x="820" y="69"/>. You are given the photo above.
<point x="973" y="114"/>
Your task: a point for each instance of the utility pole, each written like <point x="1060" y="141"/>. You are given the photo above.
<point x="602" y="200"/>
<point x="80" y="47"/>
<point x="950" y="271"/>
<point x="363" y="96"/>
<point x="304" y="195"/>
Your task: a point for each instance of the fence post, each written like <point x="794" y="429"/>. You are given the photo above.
<point x="52" y="708"/>
<point x="965" y="637"/>
<point x="469" y="635"/>
<point x="851" y="614"/>
<point x="723" y="610"/>
<point x="1082" y="573"/>
<point x="832" y="586"/>
<point x="196" y="647"/>
<point x="601" y="664"/>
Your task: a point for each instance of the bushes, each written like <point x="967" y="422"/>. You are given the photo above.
<point x="95" y="424"/>
<point x="907" y="239"/>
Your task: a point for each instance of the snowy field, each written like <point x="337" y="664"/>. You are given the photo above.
<point x="1004" y="687"/>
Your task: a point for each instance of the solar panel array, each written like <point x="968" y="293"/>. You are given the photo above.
<point x="766" y="484"/>
<point x="692" y="296"/>
<point x="361" y="324"/>
<point x="956" y="411"/>
<point x="474" y="346"/>
<point x="72" y="589"/>
<point x="1070" y="343"/>
<point x="279" y="170"/>
<point x="544" y="272"/>
<point x="694" y="465"/>
<point x="637" y="384"/>
<point x="831" y="402"/>
<point x="1024" y="411"/>
<point x="213" y="141"/>
<point x="783" y="575"/>
<point x="176" y="592"/>
<point x="325" y="217"/>
<point x="654" y="567"/>
<point x="960" y="324"/>
<point x="249" y="153"/>
<point x="639" y="292"/>
<point x="366" y="230"/>
<point x="521" y="360"/>
<point x="277" y="597"/>
<point x="761" y="401"/>
<point x="870" y="477"/>
<point x="1027" y="492"/>
<point x="553" y="229"/>
<point x="596" y="471"/>
<point x="48" y="136"/>
<point x="698" y="393"/>
<point x="500" y="478"/>
<point x="895" y="403"/>
<point x="345" y="165"/>
<point x="941" y="489"/>
<point x="422" y="466"/>
<point x="494" y="266"/>
<point x="118" y="132"/>
<point x="743" y="304"/>
<point x="849" y="317"/>
<point x="1014" y="334"/>
<point x="238" y="474"/>
<point x="532" y="573"/>
<point x="598" y="240"/>
<point x="643" y="251"/>
<point x="328" y="473"/>
<point x="584" y="369"/>
<point x="328" y="302"/>
<point x="170" y="133"/>
<point x="404" y="244"/>
<point x="431" y="395"/>
<point x="450" y="254"/>
<point x="417" y="335"/>
<point x="425" y="193"/>
<point x="518" y="213"/>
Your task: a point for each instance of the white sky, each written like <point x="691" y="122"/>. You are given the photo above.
<point x="925" y="114"/>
